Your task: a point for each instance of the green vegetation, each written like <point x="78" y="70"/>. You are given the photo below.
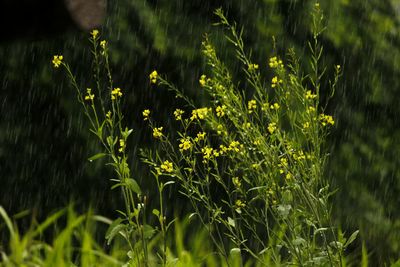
<point x="45" y="142"/>
<point x="251" y="164"/>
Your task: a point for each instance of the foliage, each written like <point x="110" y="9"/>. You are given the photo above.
<point x="43" y="136"/>
<point x="253" y="172"/>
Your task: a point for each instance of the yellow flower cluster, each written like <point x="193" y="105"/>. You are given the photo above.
<point x="253" y="67"/>
<point x="115" y="93"/>
<point x="299" y="156"/>
<point x="234" y="146"/>
<point x="208" y="50"/>
<point x="203" y="80"/>
<point x="239" y="204"/>
<point x="89" y="96"/>
<point x="94" y="33"/>
<point x="271" y="127"/>
<point x="199" y="113"/>
<point x="220" y="110"/>
<point x="178" y="114"/>
<point x="57" y="61"/>
<point x="306" y="125"/>
<point x="326" y="119"/>
<point x="167" y="166"/>
<point x="103" y="44"/>
<point x="121" y="145"/>
<point x="146" y="114"/>
<point x="251" y="105"/>
<point x="200" y="136"/>
<point x="310" y="95"/>
<point x="185" y="144"/>
<point x="275" y="81"/>
<point x="209" y="153"/>
<point x="275" y="106"/>
<point x="157" y="132"/>
<point x="153" y="76"/>
<point x="275" y="63"/>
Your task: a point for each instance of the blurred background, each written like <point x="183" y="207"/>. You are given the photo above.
<point x="44" y="138"/>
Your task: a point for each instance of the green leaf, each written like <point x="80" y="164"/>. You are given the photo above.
<point x="351" y="238"/>
<point x="8" y="222"/>
<point x="114" y="229"/>
<point x="156" y="212"/>
<point x="148" y="231"/>
<point x="133" y="185"/>
<point x="115" y="186"/>
<point x="97" y="156"/>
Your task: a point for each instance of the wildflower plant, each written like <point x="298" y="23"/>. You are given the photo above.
<point x="251" y="164"/>
<point x="102" y="107"/>
<point x="255" y="178"/>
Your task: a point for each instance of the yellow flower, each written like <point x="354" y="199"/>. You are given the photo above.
<point x="275" y="106"/>
<point x="121" y="145"/>
<point x="257" y="142"/>
<point x="275" y="81"/>
<point x="251" y="105"/>
<point x="94" y="33"/>
<point x="265" y="106"/>
<point x="153" y="76"/>
<point x="185" y="144"/>
<point x="275" y="63"/>
<point x="199" y="113"/>
<point x="157" y="132"/>
<point x="247" y="125"/>
<point x="200" y="136"/>
<point x="207" y="153"/>
<point x="220" y="111"/>
<point x="234" y="146"/>
<point x="57" y="61"/>
<point x="178" y="114"/>
<point x="271" y="127"/>
<point x="115" y="93"/>
<point x="203" y="80"/>
<point x="167" y="166"/>
<point x="306" y="125"/>
<point x="108" y="115"/>
<point x="310" y="95"/>
<point x="89" y="96"/>
<point x="239" y="204"/>
<point x="222" y="149"/>
<point x="221" y="129"/>
<point x="299" y="156"/>
<point x="326" y="119"/>
<point x="146" y="114"/>
<point x="253" y="67"/>
<point x="103" y="44"/>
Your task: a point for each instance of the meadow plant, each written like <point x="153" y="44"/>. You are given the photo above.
<point x="72" y="244"/>
<point x="252" y="163"/>
<point x="103" y="112"/>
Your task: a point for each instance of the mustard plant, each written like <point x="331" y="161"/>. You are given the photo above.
<point x="102" y="107"/>
<point x="252" y="163"/>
